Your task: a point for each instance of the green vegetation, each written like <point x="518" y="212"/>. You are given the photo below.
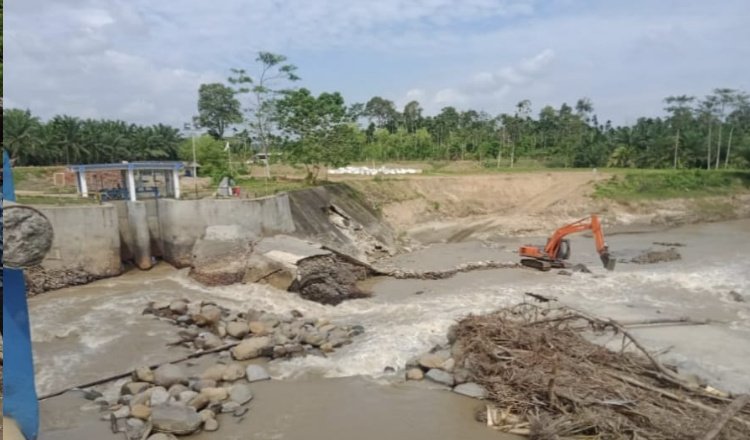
<point x="653" y="184"/>
<point x="323" y="131"/>
<point x="263" y="187"/>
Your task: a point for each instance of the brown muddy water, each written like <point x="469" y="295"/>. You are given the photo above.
<point x="88" y="332"/>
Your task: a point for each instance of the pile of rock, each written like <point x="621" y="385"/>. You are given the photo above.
<point x="207" y="326"/>
<point x="440" y="366"/>
<point x="167" y="401"/>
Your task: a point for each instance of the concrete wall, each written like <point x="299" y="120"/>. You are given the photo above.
<point x="86" y="237"/>
<point x="183" y="222"/>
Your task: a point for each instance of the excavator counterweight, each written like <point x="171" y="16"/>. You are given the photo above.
<point x="557" y="249"/>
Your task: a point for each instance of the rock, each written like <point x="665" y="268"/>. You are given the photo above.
<point x="159" y="396"/>
<point x="209" y="315"/>
<point x="328" y="279"/>
<point x="215" y="394"/>
<point x="327" y="347"/>
<point x="135" y="423"/>
<point x="175" y="419"/>
<point x="440" y="376"/>
<point x="471" y="389"/>
<point x="89" y="394"/>
<point x="134" y="387"/>
<point x="122" y="412"/>
<point x="140" y="411"/>
<point x="220" y="257"/>
<point x="162" y="436"/>
<point x="256" y="373"/>
<point x="461" y="375"/>
<point x="208" y="341"/>
<point x="448" y="365"/>
<point x="241" y="411"/>
<point x="414" y="374"/>
<point x="28" y="236"/>
<point x="141" y="398"/>
<point x="234" y="371"/>
<point x="187" y="396"/>
<point x="207" y="414"/>
<point x="169" y="374"/>
<point x="651" y="256"/>
<point x="253" y="315"/>
<point x="199" y="402"/>
<point x="434" y="360"/>
<point x="279" y="351"/>
<point x="565" y="272"/>
<point x="214" y="372"/>
<point x="237" y="329"/>
<point x="251" y="348"/>
<point x="176" y="389"/>
<point x="204" y="383"/>
<point x="228" y="407"/>
<point x="143" y="374"/>
<point x="221" y="329"/>
<point x="313" y="337"/>
<point x="179" y="307"/>
<point x="240" y="393"/>
<point x="258" y="328"/>
<point x="210" y="425"/>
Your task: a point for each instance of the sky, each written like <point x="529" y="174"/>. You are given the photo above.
<point x="143" y="60"/>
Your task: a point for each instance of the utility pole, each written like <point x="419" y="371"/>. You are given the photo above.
<point x="191" y="127"/>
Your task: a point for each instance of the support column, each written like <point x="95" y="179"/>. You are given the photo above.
<point x="131" y="184"/>
<point x="83" y="187"/>
<point x="176" y="182"/>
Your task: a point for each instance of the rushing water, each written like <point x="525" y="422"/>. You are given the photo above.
<point x="88" y="332"/>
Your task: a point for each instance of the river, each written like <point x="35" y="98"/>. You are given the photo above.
<point x="88" y="332"/>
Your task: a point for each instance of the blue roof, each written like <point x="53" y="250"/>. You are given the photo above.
<point x="144" y="165"/>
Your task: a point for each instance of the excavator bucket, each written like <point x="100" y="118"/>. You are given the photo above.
<point x="609" y="262"/>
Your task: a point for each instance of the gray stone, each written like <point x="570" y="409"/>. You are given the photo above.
<point x="199" y="402"/>
<point x="143" y="374"/>
<point x="28" y="236"/>
<point x="169" y="374"/>
<point x="238" y="329"/>
<point x="175" y="419"/>
<point x="204" y="383"/>
<point x="215" y="394"/>
<point x="440" y="376"/>
<point x="258" y="328"/>
<point x="251" y="348"/>
<point x="241" y="411"/>
<point x="434" y="360"/>
<point x="187" y="396"/>
<point x="159" y="396"/>
<point x="210" y="425"/>
<point x="209" y="315"/>
<point x="471" y="389"/>
<point x="461" y="375"/>
<point x="180" y="307"/>
<point x="256" y="373"/>
<point x="122" y="412"/>
<point x="208" y="341"/>
<point x="234" y="371"/>
<point x="228" y="407"/>
<point x="134" y="387"/>
<point x="313" y="337"/>
<point x="240" y="393"/>
<point x="176" y="389"/>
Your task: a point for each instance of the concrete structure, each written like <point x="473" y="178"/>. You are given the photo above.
<point x="129" y="171"/>
<point x="86" y="238"/>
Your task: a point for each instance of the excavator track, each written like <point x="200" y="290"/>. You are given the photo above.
<point x="544" y="266"/>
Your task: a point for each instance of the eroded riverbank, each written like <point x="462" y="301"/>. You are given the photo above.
<point x="92" y="331"/>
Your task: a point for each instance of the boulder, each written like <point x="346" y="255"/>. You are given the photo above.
<point x="265" y="270"/>
<point x="199" y="402"/>
<point x="258" y="328"/>
<point x="207" y="414"/>
<point x="220" y="256"/>
<point x="187" y="396"/>
<point x="215" y="394"/>
<point x="237" y="329"/>
<point x="240" y="393"/>
<point x="209" y="315"/>
<point x="440" y="376"/>
<point x="169" y="374"/>
<point x="414" y="374"/>
<point x="140" y="411"/>
<point x="251" y="348"/>
<point x="175" y="419"/>
<point x="210" y="425"/>
<point x="214" y="372"/>
<point x="208" y="341"/>
<point x="143" y="374"/>
<point x="159" y="396"/>
<point x="204" y="383"/>
<point x="256" y="373"/>
<point x="121" y="412"/>
<point x="434" y="360"/>
<point x="179" y="307"/>
<point x="471" y="389"/>
<point x="233" y="371"/>
<point x="176" y="389"/>
<point x="134" y="387"/>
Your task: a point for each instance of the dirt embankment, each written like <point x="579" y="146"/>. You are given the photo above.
<point x="455" y="208"/>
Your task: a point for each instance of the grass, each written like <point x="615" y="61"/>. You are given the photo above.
<point x="665" y="184"/>
<point x="51" y="200"/>
<point x="254" y="187"/>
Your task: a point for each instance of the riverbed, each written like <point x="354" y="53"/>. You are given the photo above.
<point x="84" y="333"/>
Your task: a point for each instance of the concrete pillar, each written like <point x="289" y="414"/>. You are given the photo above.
<point x="139" y="232"/>
<point x="176" y="183"/>
<point x="82" y="185"/>
<point x="131" y="184"/>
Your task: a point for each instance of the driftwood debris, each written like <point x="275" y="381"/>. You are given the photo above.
<point x="728" y="414"/>
<point x="546" y="379"/>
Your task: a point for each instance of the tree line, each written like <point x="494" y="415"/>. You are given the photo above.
<point x="261" y="110"/>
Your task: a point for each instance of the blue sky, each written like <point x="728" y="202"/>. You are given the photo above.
<point x="143" y="61"/>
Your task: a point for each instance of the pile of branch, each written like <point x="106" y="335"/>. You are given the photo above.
<point x="548" y="381"/>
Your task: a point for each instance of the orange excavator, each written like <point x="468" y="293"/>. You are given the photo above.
<point x="557" y="249"/>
